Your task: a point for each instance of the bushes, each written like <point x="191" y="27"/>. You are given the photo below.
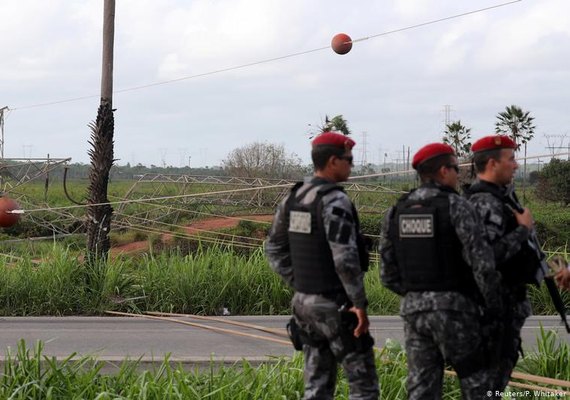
<point x="554" y="182"/>
<point x="119" y="238"/>
<point x="552" y="225"/>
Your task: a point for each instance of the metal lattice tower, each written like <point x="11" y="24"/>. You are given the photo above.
<point x="173" y="198"/>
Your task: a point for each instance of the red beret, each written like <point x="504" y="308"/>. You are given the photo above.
<point x="334" y="139"/>
<point x="493" y="142"/>
<point x="430" y="151"/>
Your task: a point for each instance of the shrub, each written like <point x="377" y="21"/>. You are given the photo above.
<point x="554" y="182"/>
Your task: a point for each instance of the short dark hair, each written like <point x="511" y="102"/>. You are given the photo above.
<point x="320" y="155"/>
<point x="428" y="169"/>
<point x="481" y="158"/>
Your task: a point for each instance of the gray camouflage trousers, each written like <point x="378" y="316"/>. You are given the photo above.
<point x="436" y="337"/>
<point x="503" y="368"/>
<point x="320" y="317"/>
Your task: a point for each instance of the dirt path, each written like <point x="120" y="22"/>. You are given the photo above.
<point x="213" y="224"/>
<point x="209" y="224"/>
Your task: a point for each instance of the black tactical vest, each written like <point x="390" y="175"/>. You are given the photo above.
<point x="428" y="250"/>
<point x="522" y="267"/>
<point x="313" y="266"/>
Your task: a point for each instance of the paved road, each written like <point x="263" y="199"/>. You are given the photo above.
<point x="112" y="339"/>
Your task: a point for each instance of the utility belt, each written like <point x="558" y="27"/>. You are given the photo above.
<point x="350" y="343"/>
<point x="340" y="298"/>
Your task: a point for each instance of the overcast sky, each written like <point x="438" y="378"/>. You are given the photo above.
<point x="391" y="87"/>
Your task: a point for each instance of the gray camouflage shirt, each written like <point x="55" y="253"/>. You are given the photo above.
<point x="491" y="212"/>
<point x="505" y="245"/>
<point x="476" y="252"/>
<point x="344" y="248"/>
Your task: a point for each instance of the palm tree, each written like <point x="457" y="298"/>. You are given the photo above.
<point x="518" y="125"/>
<point x="337" y="123"/>
<point x="456" y="135"/>
<point x="99" y="212"/>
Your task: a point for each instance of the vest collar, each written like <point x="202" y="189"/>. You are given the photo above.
<point x="481" y="185"/>
<point x="315" y="180"/>
<point x="439" y="186"/>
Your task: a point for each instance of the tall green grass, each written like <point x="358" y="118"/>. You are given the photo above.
<point x="29" y="374"/>
<point x="60" y="285"/>
<point x="204" y="282"/>
<point x="552" y="358"/>
<point x="51" y="280"/>
<point x="210" y="280"/>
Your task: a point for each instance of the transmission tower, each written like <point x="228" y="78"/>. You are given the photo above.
<point x="552" y="146"/>
<point x="447" y="115"/>
<point x="364" y="151"/>
<point x="163" y="152"/>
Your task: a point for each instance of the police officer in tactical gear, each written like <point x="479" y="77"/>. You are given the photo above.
<point x="435" y="255"/>
<point x="508" y="233"/>
<point x="314" y="246"/>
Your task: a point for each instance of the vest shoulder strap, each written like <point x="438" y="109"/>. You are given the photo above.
<point x="316" y="204"/>
<point x="329" y="187"/>
<point x="293" y="194"/>
<point x="296" y="186"/>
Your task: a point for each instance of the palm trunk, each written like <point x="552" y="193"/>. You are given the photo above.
<point x="99" y="216"/>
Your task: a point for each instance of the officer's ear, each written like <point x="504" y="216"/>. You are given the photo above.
<point x="442" y="172"/>
<point x="491" y="164"/>
<point x="332" y="160"/>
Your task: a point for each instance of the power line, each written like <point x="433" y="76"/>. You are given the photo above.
<point x="268" y="60"/>
<point x="204" y="194"/>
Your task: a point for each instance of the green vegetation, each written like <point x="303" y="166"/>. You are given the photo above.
<point x="552" y="224"/>
<point x="119" y="238"/>
<point x="185" y="272"/>
<point x="457" y="135"/>
<point x="51" y="280"/>
<point x="199" y="283"/>
<point x="554" y="182"/>
<point x="552" y="358"/>
<point x="29" y="374"/>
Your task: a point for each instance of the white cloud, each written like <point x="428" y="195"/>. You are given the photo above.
<point x="393" y="86"/>
<point x="536" y="36"/>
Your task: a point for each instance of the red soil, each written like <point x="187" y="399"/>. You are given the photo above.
<point x="210" y="224"/>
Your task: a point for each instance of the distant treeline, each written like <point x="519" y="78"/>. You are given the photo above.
<point x="79" y="171"/>
<point x="119" y="172"/>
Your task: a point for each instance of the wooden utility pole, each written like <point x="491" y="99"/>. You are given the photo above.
<point x="108" y="43"/>
<point x="99" y="213"/>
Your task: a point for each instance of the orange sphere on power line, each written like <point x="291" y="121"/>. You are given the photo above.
<point x="7" y="219"/>
<point x="341" y="43"/>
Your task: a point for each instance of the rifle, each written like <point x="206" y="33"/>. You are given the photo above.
<point x="542" y="272"/>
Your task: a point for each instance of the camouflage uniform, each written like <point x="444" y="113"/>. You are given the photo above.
<point x="516" y="306"/>
<point x="318" y="315"/>
<point x="444" y="326"/>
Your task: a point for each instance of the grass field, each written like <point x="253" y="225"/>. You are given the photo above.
<point x="29" y="374"/>
<point x="203" y="282"/>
